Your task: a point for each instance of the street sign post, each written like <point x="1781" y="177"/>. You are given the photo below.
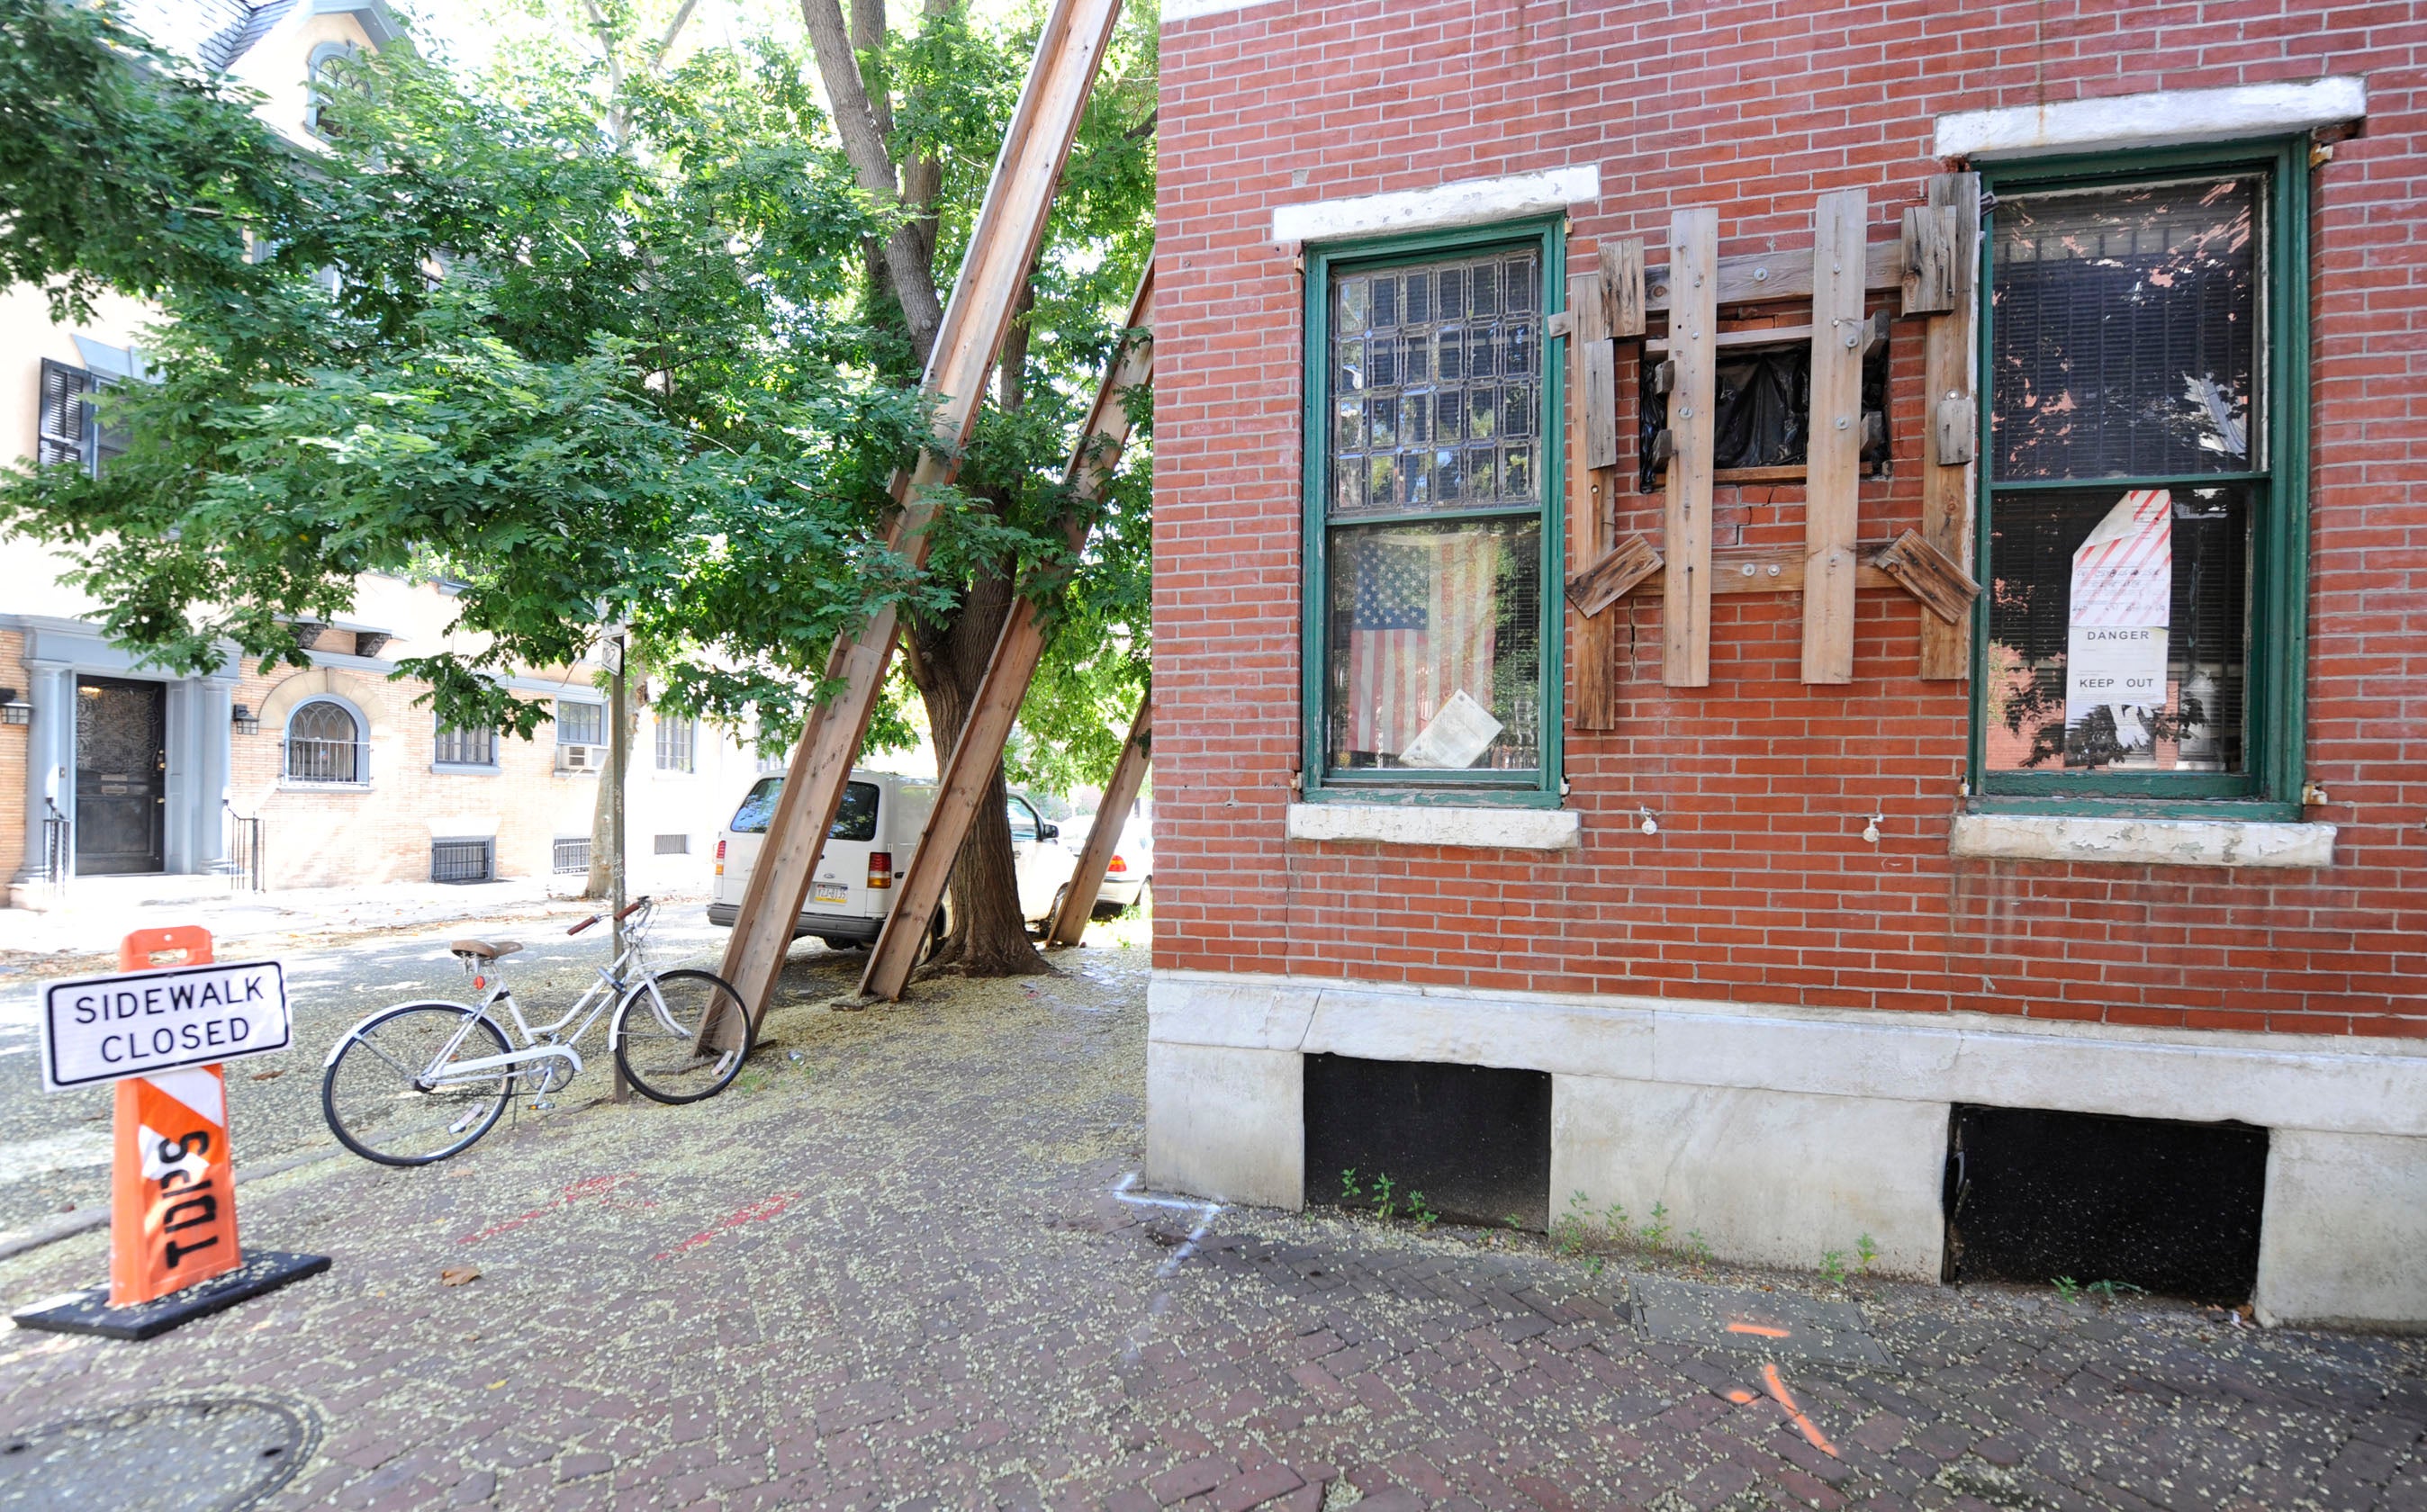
<point x="160" y="1031"/>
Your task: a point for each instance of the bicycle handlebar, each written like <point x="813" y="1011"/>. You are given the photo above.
<point x="634" y="907"/>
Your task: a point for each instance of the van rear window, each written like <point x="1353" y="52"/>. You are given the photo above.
<point x="857" y="819"/>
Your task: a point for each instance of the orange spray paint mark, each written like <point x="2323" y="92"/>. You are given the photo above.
<point x="1759" y="1330"/>
<point x="1794" y="1414"/>
<point x="1739" y="1396"/>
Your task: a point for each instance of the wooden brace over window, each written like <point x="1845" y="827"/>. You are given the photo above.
<point x="1933" y="267"/>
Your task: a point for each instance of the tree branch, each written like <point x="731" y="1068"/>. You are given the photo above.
<point x="673" y="30"/>
<point x="905" y="257"/>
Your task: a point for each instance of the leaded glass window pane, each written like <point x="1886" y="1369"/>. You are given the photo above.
<point x="1435" y="400"/>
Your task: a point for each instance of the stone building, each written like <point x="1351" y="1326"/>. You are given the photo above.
<point x="1805" y="618"/>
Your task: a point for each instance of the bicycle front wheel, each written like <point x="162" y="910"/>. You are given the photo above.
<point x="389" y="1097"/>
<point x="656" y="1035"/>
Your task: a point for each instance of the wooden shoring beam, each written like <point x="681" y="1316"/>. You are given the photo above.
<point x="1003" y="245"/>
<point x="1018" y="649"/>
<point x="1952" y="419"/>
<point x="1685" y="527"/>
<point x="1832" y="461"/>
<point x="1120" y="796"/>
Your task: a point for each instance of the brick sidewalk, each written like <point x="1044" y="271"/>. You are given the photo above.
<point x="891" y="1269"/>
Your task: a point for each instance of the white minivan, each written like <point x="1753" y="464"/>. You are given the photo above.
<point x="874" y="834"/>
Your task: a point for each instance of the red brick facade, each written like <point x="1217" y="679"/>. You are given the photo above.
<point x="1759" y="887"/>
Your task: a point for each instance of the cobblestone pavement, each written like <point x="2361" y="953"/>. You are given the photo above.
<point x="897" y="1266"/>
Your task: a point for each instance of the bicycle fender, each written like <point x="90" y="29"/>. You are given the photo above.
<point x="368" y="1020"/>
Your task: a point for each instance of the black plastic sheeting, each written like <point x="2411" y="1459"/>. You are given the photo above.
<point x="1764" y="400"/>
<point x="1475" y="1139"/>
<point x="2169" y="1208"/>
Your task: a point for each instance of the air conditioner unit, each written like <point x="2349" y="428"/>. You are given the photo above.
<point x="581" y="758"/>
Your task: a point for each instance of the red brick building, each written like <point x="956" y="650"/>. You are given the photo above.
<point x="1768" y="893"/>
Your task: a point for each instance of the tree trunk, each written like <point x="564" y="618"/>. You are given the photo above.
<point x="602" y="831"/>
<point x="989" y="939"/>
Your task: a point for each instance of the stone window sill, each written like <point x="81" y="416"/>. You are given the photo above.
<point x="1496" y="829"/>
<point x="2170" y="842"/>
<point x="286" y="786"/>
<point x="465" y="769"/>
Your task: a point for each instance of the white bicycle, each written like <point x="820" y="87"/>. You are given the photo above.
<point x="423" y="1081"/>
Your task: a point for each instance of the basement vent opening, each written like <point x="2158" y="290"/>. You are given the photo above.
<point x="463" y="860"/>
<point x="570" y="857"/>
<point x="2150" y="1204"/>
<point x="673" y="845"/>
<point x="1475" y="1139"/>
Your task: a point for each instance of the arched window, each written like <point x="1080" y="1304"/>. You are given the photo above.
<point x="318" y="86"/>
<point x="324" y="743"/>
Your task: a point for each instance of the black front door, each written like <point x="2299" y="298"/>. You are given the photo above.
<point x="122" y="774"/>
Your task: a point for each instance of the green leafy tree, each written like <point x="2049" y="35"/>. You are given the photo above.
<point x="610" y="338"/>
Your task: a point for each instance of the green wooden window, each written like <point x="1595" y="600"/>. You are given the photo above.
<point x="2144" y="393"/>
<point x="1433" y="464"/>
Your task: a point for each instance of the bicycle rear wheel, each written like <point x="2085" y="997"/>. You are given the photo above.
<point x="657" y="1031"/>
<point x="387" y="1099"/>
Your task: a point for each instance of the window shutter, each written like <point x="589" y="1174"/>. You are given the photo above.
<point x="62" y="427"/>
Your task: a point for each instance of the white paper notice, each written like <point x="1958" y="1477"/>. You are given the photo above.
<point x="1456" y="738"/>
<point x="2121" y="609"/>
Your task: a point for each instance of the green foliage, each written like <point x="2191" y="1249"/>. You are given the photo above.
<point x="2066" y="1288"/>
<point x="591" y="355"/>
<point x="1868" y="1250"/>
<point x="1832" y="1267"/>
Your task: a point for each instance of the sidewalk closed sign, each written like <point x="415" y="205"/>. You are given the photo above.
<point x="103" y="1029"/>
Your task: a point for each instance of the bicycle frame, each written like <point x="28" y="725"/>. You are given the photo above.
<point x="608" y="990"/>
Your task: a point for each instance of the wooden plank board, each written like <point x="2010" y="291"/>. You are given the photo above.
<point x="1943" y="589"/>
<point x="1621" y="286"/>
<point x="1833" y="455"/>
<point x="1120" y="796"/>
<point x="1751" y="336"/>
<point x="1738" y="570"/>
<point x="1599" y="407"/>
<point x="1606" y="581"/>
<point x="1948" y="452"/>
<point x="968" y="773"/>
<point x="1754" y="278"/>
<point x="1003" y="245"/>
<point x="1929" y="240"/>
<point x="1693" y="321"/>
<point x="1592" y="647"/>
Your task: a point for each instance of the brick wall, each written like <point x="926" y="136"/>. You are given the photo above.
<point x="1758" y="887"/>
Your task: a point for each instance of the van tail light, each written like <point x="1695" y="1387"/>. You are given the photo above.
<point x="719" y="858"/>
<point x="1117" y="867"/>
<point x="880" y="869"/>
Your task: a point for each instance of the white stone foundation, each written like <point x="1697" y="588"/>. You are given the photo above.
<point x="1780" y="1133"/>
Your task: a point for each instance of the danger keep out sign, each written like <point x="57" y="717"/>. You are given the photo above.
<point x="102" y="1029"/>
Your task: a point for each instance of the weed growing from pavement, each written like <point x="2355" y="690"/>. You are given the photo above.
<point x="1832" y="1267"/>
<point x="1867" y="1249"/>
<point x="2066" y="1288"/>
<point x="1386" y="1205"/>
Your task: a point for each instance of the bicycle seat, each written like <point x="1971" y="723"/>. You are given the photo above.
<point x="484" y="949"/>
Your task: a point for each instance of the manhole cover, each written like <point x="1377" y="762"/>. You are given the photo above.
<point x="190" y="1455"/>
<point x="1781" y="1324"/>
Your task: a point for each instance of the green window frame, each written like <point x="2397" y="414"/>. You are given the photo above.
<point x="2275" y="616"/>
<point x="1538" y="787"/>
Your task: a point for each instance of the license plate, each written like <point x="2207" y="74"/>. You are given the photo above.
<point x="830" y="892"/>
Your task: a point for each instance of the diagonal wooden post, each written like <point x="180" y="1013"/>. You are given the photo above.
<point x="1010" y="227"/>
<point x="1120" y="796"/>
<point x="1018" y="649"/>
